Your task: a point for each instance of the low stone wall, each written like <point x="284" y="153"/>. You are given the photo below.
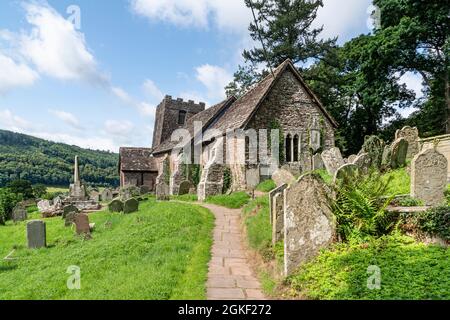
<point x="443" y="147"/>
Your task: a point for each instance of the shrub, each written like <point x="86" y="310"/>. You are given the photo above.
<point x="447" y="195"/>
<point x="22" y="187"/>
<point x="266" y="186"/>
<point x="8" y="200"/>
<point x="435" y="221"/>
<point x="227" y="179"/>
<point x="39" y="190"/>
<point x="399" y="182"/>
<point x="52" y="195"/>
<point x="233" y="201"/>
<point x="407" y="201"/>
<point x="360" y="208"/>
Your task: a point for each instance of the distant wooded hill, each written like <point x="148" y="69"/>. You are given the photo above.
<point x="50" y="163"/>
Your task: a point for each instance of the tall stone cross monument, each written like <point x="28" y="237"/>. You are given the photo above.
<point x="77" y="190"/>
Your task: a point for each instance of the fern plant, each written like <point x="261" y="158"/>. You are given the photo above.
<point x="360" y="207"/>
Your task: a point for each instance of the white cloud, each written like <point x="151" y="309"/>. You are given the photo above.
<point x="152" y="90"/>
<point x="56" y="48"/>
<point x="115" y="127"/>
<point x="144" y="108"/>
<point x="10" y="121"/>
<point x="14" y="74"/>
<point x="67" y="117"/>
<point x="89" y="142"/>
<point x="215" y="79"/>
<point x="227" y="15"/>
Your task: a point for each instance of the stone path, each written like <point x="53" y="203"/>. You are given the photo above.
<point x="230" y="276"/>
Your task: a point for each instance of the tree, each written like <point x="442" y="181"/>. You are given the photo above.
<point x="21" y="187"/>
<point x="286" y="29"/>
<point x="8" y="200"/>
<point x="39" y="190"/>
<point x="417" y="39"/>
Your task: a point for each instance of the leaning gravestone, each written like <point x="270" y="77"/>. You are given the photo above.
<point x="278" y="218"/>
<point x="19" y="213"/>
<point x="185" y="187"/>
<point x="363" y="162"/>
<point x="36" y="234"/>
<point x="386" y="159"/>
<point x="281" y="177"/>
<point x="143" y="190"/>
<point x="317" y="162"/>
<point x="82" y="224"/>
<point x="429" y="177"/>
<point x="130" y="206"/>
<point x="399" y="149"/>
<point x="332" y="159"/>
<point x="374" y="147"/>
<point x="107" y="195"/>
<point x="411" y="135"/>
<point x="162" y="191"/>
<point x="68" y="209"/>
<point x="345" y="173"/>
<point x="70" y="219"/>
<point x="115" y="206"/>
<point x="252" y="178"/>
<point x="272" y="195"/>
<point x="309" y="222"/>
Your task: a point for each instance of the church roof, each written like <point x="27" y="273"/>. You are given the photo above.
<point x="137" y="159"/>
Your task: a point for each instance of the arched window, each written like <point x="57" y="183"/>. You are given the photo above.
<point x="296" y="154"/>
<point x="288" y="146"/>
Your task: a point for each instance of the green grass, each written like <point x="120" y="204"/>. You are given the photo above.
<point x="160" y="252"/>
<point x="185" y="197"/>
<point x="233" y="201"/>
<point x="266" y="186"/>
<point x="256" y="216"/>
<point x="326" y="177"/>
<point x="57" y="189"/>
<point x="400" y="182"/>
<point x="409" y="270"/>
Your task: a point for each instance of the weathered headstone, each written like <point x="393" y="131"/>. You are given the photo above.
<point x="82" y="224"/>
<point x="278" y="218"/>
<point x="125" y="193"/>
<point x="36" y="234"/>
<point x="429" y="177"/>
<point x="332" y="159"/>
<point x="143" y="190"/>
<point x="352" y="158"/>
<point x="272" y="195"/>
<point x="318" y="162"/>
<point x="185" y="187"/>
<point x="411" y="135"/>
<point x="386" y="159"/>
<point x="363" y="162"/>
<point x="68" y="209"/>
<point x="374" y="147"/>
<point x="309" y="222"/>
<point x="399" y="149"/>
<point x="107" y="195"/>
<point x="130" y="206"/>
<point x="252" y="178"/>
<point x="162" y="191"/>
<point x="345" y="173"/>
<point x="19" y="213"/>
<point x="95" y="196"/>
<point x="70" y="219"/>
<point x="115" y="206"/>
<point x="282" y="176"/>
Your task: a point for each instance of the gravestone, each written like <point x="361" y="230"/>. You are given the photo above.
<point x="281" y="177"/>
<point x="363" y="162"/>
<point x="115" y="206"/>
<point x="125" y="193"/>
<point x="429" y="177"/>
<point x="309" y="222"/>
<point x="386" y="159"/>
<point x="399" y="149"/>
<point x="318" y="162"/>
<point x="95" y="196"/>
<point x="374" y="147"/>
<point x="278" y="218"/>
<point x="162" y="191"/>
<point x="252" y="178"/>
<point x="345" y="173"/>
<point x="185" y="187"/>
<point x="36" y="234"/>
<point x="82" y="224"/>
<point x="332" y="160"/>
<point x="58" y="204"/>
<point x="130" y="206"/>
<point x="68" y="209"/>
<point x="77" y="191"/>
<point x="107" y="195"/>
<point x="19" y="213"/>
<point x="70" y="219"/>
<point x="143" y="190"/>
<point x="272" y="195"/>
<point x="411" y="135"/>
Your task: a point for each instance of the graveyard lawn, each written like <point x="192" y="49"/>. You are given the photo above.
<point x="232" y="201"/>
<point x="161" y="252"/>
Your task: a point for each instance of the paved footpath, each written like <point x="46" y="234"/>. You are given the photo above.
<point x="230" y="276"/>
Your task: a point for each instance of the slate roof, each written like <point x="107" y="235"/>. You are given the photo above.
<point x="206" y="117"/>
<point x="136" y="159"/>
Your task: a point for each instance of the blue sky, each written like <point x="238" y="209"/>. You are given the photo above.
<point x="95" y="79"/>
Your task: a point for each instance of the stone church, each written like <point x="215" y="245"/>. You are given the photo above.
<point x="282" y="100"/>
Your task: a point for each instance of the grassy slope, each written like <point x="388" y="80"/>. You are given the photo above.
<point x="266" y="186"/>
<point x="233" y="201"/>
<point x="161" y="252"/>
